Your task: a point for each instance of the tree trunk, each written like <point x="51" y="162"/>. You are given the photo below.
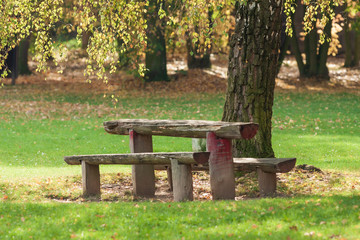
<point x="155" y="59"/>
<point x="352" y="44"/>
<point x="323" y="71"/>
<point x="23" y="57"/>
<point x="357" y="49"/>
<point x="311" y="41"/>
<point x="124" y="59"/>
<point x="295" y="48"/>
<point x="10" y="65"/>
<point x="13" y="59"/>
<point x="297" y="53"/>
<point x="284" y="43"/>
<point x="254" y="52"/>
<point x="85" y="37"/>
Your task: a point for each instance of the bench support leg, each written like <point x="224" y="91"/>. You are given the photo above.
<point x="170" y="178"/>
<point x="143" y="176"/>
<point x="221" y="167"/>
<point x="267" y="183"/>
<point x="182" y="181"/>
<point x="90" y="179"/>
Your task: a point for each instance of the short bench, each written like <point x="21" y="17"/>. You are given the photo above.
<point x="266" y="169"/>
<point x="218" y="159"/>
<point x="180" y="173"/>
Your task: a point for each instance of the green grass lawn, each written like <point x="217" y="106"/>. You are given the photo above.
<point x="315" y="217"/>
<point x="38" y="128"/>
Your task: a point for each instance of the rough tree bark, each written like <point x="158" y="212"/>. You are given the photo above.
<point x="254" y="51"/>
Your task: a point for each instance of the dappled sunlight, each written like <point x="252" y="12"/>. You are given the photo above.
<point x="341" y="79"/>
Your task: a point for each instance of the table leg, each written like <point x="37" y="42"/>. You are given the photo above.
<point x="143" y="176"/>
<point x="90" y="179"/>
<point x="267" y="183"/>
<point x="182" y="181"/>
<point x="221" y="167"/>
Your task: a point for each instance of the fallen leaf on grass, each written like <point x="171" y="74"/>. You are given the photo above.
<point x="294" y="228"/>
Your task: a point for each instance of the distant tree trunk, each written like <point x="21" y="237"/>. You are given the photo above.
<point x="13" y="57"/>
<point x="315" y="56"/>
<point x="357" y="49"/>
<point x="123" y="54"/>
<point x="85" y="39"/>
<point x="10" y="66"/>
<point x="352" y="44"/>
<point x="322" y="70"/>
<point x="155" y="59"/>
<point x="254" y="52"/>
<point x="23" y="57"/>
<point x="311" y="42"/>
<point x="284" y="43"/>
<point x="195" y="57"/>
<point x="295" y="49"/>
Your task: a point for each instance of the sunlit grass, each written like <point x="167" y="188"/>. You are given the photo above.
<point x="41" y="128"/>
<point x="317" y="217"/>
<point x="320" y="129"/>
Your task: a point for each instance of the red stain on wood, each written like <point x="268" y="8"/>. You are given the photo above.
<point x="249" y="131"/>
<point x="220" y="149"/>
<point x="222" y="179"/>
<point x="202" y="157"/>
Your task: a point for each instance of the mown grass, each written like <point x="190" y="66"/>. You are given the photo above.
<point x="319" y="129"/>
<point x="38" y="128"/>
<point x="316" y="217"/>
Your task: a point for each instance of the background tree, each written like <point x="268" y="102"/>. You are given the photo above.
<point x="316" y="41"/>
<point x="155" y="58"/>
<point x="23" y="55"/>
<point x="352" y="34"/>
<point x="198" y="54"/>
<point x="10" y="67"/>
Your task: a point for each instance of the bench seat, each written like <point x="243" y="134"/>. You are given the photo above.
<point x="152" y="158"/>
<point x="180" y="172"/>
<point x="266" y="169"/>
<point x="179" y="166"/>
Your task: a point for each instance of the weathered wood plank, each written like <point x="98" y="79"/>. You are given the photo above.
<point x="267" y="183"/>
<point x="169" y="176"/>
<point x="90" y="179"/>
<point x="140" y="158"/>
<point x="270" y="165"/>
<point x="182" y="181"/>
<point x="183" y="128"/>
<point x="221" y="167"/>
<point x="143" y="176"/>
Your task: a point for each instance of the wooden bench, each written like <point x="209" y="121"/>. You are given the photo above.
<point x="266" y="168"/>
<point x="218" y="159"/>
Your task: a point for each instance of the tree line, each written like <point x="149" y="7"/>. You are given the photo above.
<point x="199" y="39"/>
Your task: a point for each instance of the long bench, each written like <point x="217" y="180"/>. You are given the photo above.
<point x="218" y="160"/>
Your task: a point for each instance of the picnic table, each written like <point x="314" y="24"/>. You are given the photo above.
<point x="218" y="159"/>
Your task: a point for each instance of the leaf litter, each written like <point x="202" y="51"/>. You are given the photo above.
<point x="118" y="187"/>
